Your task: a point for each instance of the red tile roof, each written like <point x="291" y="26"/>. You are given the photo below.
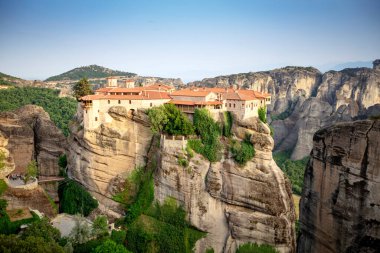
<point x="189" y="102"/>
<point x="147" y="95"/>
<point x="190" y="93"/>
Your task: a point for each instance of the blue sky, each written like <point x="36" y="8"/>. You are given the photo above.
<point x="186" y="39"/>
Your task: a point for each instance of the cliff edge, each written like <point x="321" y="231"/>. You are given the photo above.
<point x="340" y="204"/>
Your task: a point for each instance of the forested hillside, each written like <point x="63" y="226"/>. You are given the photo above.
<point x="92" y="71"/>
<point x="61" y="110"/>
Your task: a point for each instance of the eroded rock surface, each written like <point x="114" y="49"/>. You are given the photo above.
<point x="234" y="204"/>
<point x="340" y="204"/>
<point x="28" y="133"/>
<point x="101" y="159"/>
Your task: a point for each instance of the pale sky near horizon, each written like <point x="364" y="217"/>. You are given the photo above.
<point x="186" y="39"/>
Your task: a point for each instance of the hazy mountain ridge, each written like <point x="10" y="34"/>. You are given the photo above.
<point x="91" y="71"/>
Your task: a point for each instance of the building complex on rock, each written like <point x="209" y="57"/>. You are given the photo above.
<point x="243" y="103"/>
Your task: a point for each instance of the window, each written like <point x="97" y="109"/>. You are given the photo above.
<point x="86" y="111"/>
<point x="234" y="105"/>
<point x="230" y="104"/>
<point x="109" y="102"/>
<point x="119" y="102"/>
<point x="98" y="110"/>
<point x="226" y="104"/>
<point x="96" y="118"/>
<point x="151" y="104"/>
<point x="130" y="102"/>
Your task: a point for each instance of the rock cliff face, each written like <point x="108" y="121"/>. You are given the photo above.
<point x="28" y="133"/>
<point x="340" y="204"/>
<point x="304" y="100"/>
<point x="233" y="204"/>
<point x="101" y="159"/>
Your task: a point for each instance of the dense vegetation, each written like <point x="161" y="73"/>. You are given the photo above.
<point x="7" y="79"/>
<point x="61" y="110"/>
<point x="227" y="124"/>
<point x="293" y="169"/>
<point x="162" y="228"/>
<point x="255" y="248"/>
<point x="169" y="119"/>
<point x="262" y="112"/>
<point x="31" y="244"/>
<point x="91" y="71"/>
<point x="209" y="145"/>
<point x="242" y="151"/>
<point x="75" y="199"/>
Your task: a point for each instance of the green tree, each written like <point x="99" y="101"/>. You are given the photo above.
<point x="75" y="199"/>
<point x="178" y="123"/>
<point x="42" y="228"/>
<point x="31" y="171"/>
<point x="262" y="111"/>
<point x="118" y="236"/>
<point x="158" y="118"/>
<point x="100" y="227"/>
<point x="110" y="246"/>
<point x="81" y="232"/>
<point x="31" y="244"/>
<point x="82" y="88"/>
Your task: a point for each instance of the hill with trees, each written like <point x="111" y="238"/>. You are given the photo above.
<point x="91" y="71"/>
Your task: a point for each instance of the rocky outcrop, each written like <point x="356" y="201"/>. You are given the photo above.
<point x="33" y="199"/>
<point x="233" y="204"/>
<point x="340" y="204"/>
<point x="101" y="159"/>
<point x="287" y="85"/>
<point x="30" y="134"/>
<point x="304" y="100"/>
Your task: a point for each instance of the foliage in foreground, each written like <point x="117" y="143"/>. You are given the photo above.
<point x="294" y="170"/>
<point x="163" y="228"/>
<point x="110" y="246"/>
<point x="42" y="228"/>
<point x="209" y="131"/>
<point x="75" y="199"/>
<point x="255" y="248"/>
<point x="169" y="119"/>
<point x="8" y="227"/>
<point x="61" y="110"/>
<point x="31" y="244"/>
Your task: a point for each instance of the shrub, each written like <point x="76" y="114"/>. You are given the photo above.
<point x="255" y="248"/>
<point x="3" y="186"/>
<point x="75" y="199"/>
<point x="100" y="227"/>
<point x="262" y="112"/>
<point x="118" y="236"/>
<point x="110" y="246"/>
<point x="31" y="171"/>
<point x="2" y="160"/>
<point x="242" y="151"/>
<point x="42" y="228"/>
<point x="210" y="250"/>
<point x="3" y="204"/>
<point x="62" y="161"/>
<point x="183" y="162"/>
<point x="31" y="244"/>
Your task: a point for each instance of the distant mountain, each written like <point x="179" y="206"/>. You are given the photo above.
<point x="92" y="71"/>
<point x="345" y="65"/>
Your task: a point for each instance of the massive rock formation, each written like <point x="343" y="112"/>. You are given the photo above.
<point x="234" y="204"/>
<point x="28" y="133"/>
<point x="304" y="100"/>
<point x="340" y="204"/>
<point x="101" y="159"/>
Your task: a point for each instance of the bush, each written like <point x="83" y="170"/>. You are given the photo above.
<point x="75" y="199"/>
<point x="3" y="204"/>
<point x="255" y="248"/>
<point x="42" y="228"/>
<point x="62" y="161"/>
<point x="8" y="227"/>
<point x="118" y="236"/>
<point x="31" y="244"/>
<point x="242" y="151"/>
<point x="169" y="119"/>
<point x="110" y="246"/>
<point x="183" y="162"/>
<point x="3" y="186"/>
<point x="31" y="170"/>
<point x="262" y="111"/>
<point x="100" y="227"/>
